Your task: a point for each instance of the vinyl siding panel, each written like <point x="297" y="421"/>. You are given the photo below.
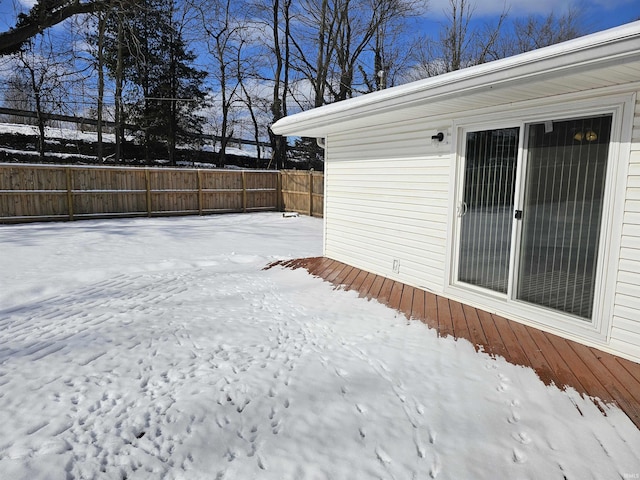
<point x="625" y="329"/>
<point x="387" y="199"/>
<point x="635" y="136"/>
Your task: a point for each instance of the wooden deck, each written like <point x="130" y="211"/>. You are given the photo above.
<point x="591" y="372"/>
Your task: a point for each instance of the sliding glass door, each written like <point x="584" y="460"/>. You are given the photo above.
<point x="486" y="208"/>
<point x="556" y="222"/>
<point x="562" y="212"/>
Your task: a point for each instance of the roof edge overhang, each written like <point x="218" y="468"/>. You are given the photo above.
<point x="615" y="46"/>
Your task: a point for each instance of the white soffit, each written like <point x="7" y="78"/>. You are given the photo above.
<point x="602" y="59"/>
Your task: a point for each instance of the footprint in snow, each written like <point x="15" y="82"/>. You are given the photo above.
<point x="420" y="447"/>
<point x="518" y="456"/>
<point x="436" y="467"/>
<point x="514" y="417"/>
<point x="383" y="456"/>
<point x="275" y="427"/>
<point x="341" y="373"/>
<point x="503" y="387"/>
<point x="504" y="383"/>
<point x="522" y="437"/>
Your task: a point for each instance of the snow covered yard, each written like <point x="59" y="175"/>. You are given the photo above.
<point x="160" y="348"/>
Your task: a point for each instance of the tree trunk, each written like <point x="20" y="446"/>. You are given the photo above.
<point x="119" y="115"/>
<point x="101" y="29"/>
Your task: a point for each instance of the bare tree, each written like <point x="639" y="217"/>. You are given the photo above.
<point x="43" y="15"/>
<point x="46" y="72"/>
<point x="102" y="25"/>
<point x="535" y="32"/>
<point x="362" y="26"/>
<point x="334" y="37"/>
<point x="95" y="34"/>
<point x="224" y="29"/>
<point x="313" y="43"/>
<point x="458" y="45"/>
<point x="388" y="52"/>
<point x="17" y="96"/>
<point x="281" y="35"/>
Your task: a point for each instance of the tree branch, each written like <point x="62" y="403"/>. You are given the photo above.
<point x="43" y="15"/>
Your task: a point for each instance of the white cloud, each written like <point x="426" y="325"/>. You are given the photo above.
<point x="517" y="8"/>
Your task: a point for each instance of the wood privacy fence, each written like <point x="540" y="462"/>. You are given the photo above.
<point x="52" y="192"/>
<point x="303" y="192"/>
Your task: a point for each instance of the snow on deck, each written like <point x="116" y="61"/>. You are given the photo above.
<point x="160" y="348"/>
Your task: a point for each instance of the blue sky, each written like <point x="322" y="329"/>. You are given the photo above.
<point x="596" y="14"/>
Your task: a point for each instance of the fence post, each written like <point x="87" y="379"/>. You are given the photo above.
<point x="244" y="192"/>
<point x="279" y="199"/>
<point x="69" y="192"/>
<point x="310" y="193"/>
<point x="148" y="182"/>
<point x="199" y="192"/>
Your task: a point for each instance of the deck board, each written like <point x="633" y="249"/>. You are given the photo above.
<point x="341" y="278"/>
<point x="527" y="340"/>
<point x="376" y="288"/>
<point x="332" y="271"/>
<point x="476" y="332"/>
<point x="406" y="301"/>
<point x="494" y="344"/>
<point x="445" y="323"/>
<point x="385" y="291"/>
<point x="460" y="329"/>
<point x="348" y="280"/>
<point x="366" y="285"/>
<point x="395" y="296"/>
<point x="515" y="353"/>
<point x="418" y="303"/>
<point x="630" y="366"/>
<point x="359" y="280"/>
<point x="319" y="265"/>
<point x="599" y="375"/>
<point x="617" y="369"/>
<point x="553" y="346"/>
<point x="431" y="310"/>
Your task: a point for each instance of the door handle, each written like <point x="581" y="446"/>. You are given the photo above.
<point x="462" y="209"/>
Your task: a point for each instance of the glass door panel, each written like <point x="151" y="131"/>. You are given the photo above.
<point x="486" y="209"/>
<point x="562" y="211"/>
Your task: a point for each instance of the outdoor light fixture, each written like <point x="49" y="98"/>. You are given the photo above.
<point x="439" y="137"/>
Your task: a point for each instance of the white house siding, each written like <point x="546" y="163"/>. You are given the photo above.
<point x="387" y="200"/>
<point x="625" y="331"/>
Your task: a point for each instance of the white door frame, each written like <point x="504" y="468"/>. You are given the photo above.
<point x="621" y="107"/>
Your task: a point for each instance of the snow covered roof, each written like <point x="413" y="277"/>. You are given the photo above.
<point x="607" y="58"/>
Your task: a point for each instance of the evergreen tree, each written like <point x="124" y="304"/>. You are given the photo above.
<point x="165" y="91"/>
<point x="308" y="154"/>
